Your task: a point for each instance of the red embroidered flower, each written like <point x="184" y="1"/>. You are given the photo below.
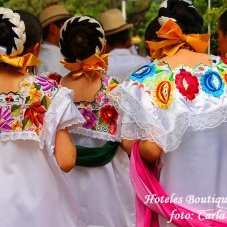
<point x="55" y="76"/>
<point x="108" y="114"/>
<point x="187" y="84"/>
<point x="113" y="129"/>
<point x="35" y="113"/>
<point x="224" y="59"/>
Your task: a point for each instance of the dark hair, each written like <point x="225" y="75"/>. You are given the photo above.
<point x="33" y="29"/>
<point x="152" y="28"/>
<point x="222" y="22"/>
<point x="118" y="38"/>
<point x="187" y="17"/>
<point x="80" y="38"/>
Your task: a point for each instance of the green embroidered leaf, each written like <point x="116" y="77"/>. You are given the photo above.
<point x="27" y="123"/>
<point x="46" y="101"/>
<point x="37" y="86"/>
<point x="15" y="110"/>
<point x="27" y="99"/>
<point x="114" y="81"/>
<point x="171" y="77"/>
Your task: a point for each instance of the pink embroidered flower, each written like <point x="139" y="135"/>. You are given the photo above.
<point x="5" y="119"/>
<point x="46" y="83"/>
<point x="90" y="118"/>
<point x="109" y="115"/>
<point x="187" y="84"/>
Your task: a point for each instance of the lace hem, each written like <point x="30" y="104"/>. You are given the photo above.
<point x="78" y="122"/>
<point x="145" y="126"/>
<point x="94" y="134"/>
<point x="22" y="135"/>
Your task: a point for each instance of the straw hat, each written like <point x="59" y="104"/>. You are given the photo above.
<point x="53" y="13"/>
<point x="113" y="22"/>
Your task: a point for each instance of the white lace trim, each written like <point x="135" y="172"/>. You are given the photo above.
<point x="144" y="126"/>
<point x="94" y="134"/>
<point x="77" y="121"/>
<point x="21" y="135"/>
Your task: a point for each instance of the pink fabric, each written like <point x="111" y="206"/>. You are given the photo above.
<point x="145" y="183"/>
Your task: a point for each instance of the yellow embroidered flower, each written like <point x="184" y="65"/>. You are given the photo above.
<point x="163" y="93"/>
<point x="35" y="94"/>
<point x="111" y="87"/>
<point x="16" y="126"/>
<point x="26" y="84"/>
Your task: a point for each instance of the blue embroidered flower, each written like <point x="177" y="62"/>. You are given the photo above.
<point x="142" y="73"/>
<point x="212" y="83"/>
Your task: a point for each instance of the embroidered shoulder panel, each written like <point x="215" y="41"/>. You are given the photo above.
<point x="24" y="111"/>
<point x="161" y="82"/>
<point x="102" y="116"/>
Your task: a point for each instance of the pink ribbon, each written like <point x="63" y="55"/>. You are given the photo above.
<point x="145" y="183"/>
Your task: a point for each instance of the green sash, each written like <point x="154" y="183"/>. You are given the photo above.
<point x="96" y="156"/>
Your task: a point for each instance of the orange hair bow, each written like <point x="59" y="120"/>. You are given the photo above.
<point x="21" y="62"/>
<point x="92" y="67"/>
<point x="174" y="40"/>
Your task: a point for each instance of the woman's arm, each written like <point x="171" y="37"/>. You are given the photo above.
<point x="65" y="150"/>
<point x="149" y="151"/>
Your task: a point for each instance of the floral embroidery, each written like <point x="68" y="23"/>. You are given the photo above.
<point x="163" y="93"/>
<point x="5" y="119"/>
<point x="212" y="83"/>
<point x="187" y="84"/>
<point x="224" y="76"/>
<point x="142" y="73"/>
<point x="25" y="110"/>
<point x="100" y="115"/>
<point x="109" y="115"/>
<point x="90" y="117"/>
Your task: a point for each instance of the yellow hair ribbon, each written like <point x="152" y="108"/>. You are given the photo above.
<point x="174" y="40"/>
<point x="92" y="67"/>
<point x="21" y="62"/>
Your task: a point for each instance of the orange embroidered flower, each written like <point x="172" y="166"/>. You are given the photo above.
<point x="163" y="93"/>
<point x="35" y="94"/>
<point x="111" y="87"/>
<point x="16" y="126"/>
<point x="35" y="113"/>
<point x="224" y="76"/>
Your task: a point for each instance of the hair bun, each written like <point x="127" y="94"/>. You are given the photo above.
<point x="84" y="24"/>
<point x="181" y="11"/>
<point x="16" y="28"/>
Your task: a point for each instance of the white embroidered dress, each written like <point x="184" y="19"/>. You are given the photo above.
<point x="184" y="110"/>
<point x="34" y="192"/>
<point x="105" y="193"/>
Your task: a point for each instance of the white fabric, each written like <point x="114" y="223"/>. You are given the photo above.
<point x="50" y="57"/>
<point x="192" y="134"/>
<point x="105" y="193"/>
<point x="121" y="63"/>
<point x="34" y="191"/>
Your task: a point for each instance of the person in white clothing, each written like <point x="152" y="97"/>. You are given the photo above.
<point x="35" y="114"/>
<point x="122" y="61"/>
<point x="101" y="177"/>
<point x="52" y="18"/>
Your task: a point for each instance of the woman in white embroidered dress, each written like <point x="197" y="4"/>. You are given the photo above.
<point x="34" y="115"/>
<point x="177" y="107"/>
<point x="101" y="181"/>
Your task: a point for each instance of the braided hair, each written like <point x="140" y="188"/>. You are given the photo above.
<point x="80" y="38"/>
<point x="12" y="35"/>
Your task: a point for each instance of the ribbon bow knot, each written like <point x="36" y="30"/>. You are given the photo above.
<point x="92" y="67"/>
<point x="174" y="40"/>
